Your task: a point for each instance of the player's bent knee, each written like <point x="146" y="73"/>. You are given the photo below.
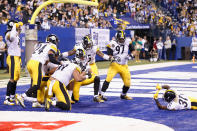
<point x="97" y="78"/>
<point x="63" y="106"/>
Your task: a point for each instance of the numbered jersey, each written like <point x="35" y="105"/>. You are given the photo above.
<point x="13" y="43"/>
<point x="120" y="51"/>
<point x="64" y="73"/>
<point x="180" y="103"/>
<point x="41" y="52"/>
<point x="47" y="67"/>
<point x="90" y="54"/>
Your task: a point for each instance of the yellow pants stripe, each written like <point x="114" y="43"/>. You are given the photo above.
<point x="193" y="103"/>
<point x="66" y="96"/>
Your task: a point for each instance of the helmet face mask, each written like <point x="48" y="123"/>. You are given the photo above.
<point x="80" y="54"/>
<point x="87" y="42"/>
<point x="120" y="37"/>
<point x="53" y="39"/>
<point x="169" y="96"/>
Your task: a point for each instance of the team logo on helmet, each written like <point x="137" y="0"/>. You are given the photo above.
<point x="120" y="36"/>
<point x="87" y="42"/>
<point x="169" y="95"/>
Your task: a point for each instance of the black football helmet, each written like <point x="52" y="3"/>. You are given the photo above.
<point x="10" y="24"/>
<point x="79" y="57"/>
<point x="87" y="42"/>
<point x="169" y="95"/>
<point x="80" y="53"/>
<point x="120" y="36"/>
<point x="53" y="39"/>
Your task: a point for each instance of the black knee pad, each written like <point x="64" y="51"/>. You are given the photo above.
<point x="63" y="106"/>
<point x="97" y="79"/>
<point x="32" y="90"/>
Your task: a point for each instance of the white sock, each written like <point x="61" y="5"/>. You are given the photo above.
<point x="12" y="96"/>
<point x="102" y="93"/>
<point x="31" y="99"/>
<point x="24" y="95"/>
<point x="70" y="92"/>
<point x="7" y="97"/>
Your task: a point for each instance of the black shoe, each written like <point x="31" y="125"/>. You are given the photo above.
<point x="125" y="97"/>
<point x="103" y="97"/>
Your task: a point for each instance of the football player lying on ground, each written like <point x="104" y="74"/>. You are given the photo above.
<point x="59" y="80"/>
<point x="175" y="100"/>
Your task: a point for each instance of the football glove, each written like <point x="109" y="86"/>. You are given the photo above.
<point x="130" y="57"/>
<point x="158" y="87"/>
<point x="89" y="75"/>
<point x="111" y="58"/>
<point x="155" y="96"/>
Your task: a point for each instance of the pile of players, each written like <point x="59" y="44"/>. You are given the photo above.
<point x="56" y="80"/>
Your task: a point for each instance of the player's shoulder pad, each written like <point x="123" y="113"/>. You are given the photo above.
<point x="111" y="44"/>
<point x="53" y="47"/>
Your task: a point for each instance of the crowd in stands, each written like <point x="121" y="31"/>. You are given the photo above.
<point x="164" y="27"/>
<point x="185" y="11"/>
<point x="73" y="15"/>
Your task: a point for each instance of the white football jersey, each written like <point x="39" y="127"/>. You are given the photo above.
<point x="13" y="42"/>
<point x="48" y="67"/>
<point x="120" y="51"/>
<point x="90" y="53"/>
<point x="64" y="73"/>
<point x="41" y="52"/>
<point x="181" y="102"/>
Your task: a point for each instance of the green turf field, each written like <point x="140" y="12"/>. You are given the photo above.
<point x="101" y="65"/>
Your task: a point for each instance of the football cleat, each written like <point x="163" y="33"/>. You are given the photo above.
<point x="98" y="99"/>
<point x="37" y="105"/>
<point x="48" y="103"/>
<point x="20" y="100"/>
<point x="103" y="97"/>
<point x="7" y="102"/>
<point x="72" y="102"/>
<point x="125" y="97"/>
<point x="12" y="99"/>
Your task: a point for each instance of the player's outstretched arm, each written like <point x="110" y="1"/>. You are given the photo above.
<point x="104" y="56"/>
<point x="159" y="105"/>
<point x="69" y="53"/>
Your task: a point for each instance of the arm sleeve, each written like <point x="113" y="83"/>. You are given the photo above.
<point x="109" y="51"/>
<point x="53" y="60"/>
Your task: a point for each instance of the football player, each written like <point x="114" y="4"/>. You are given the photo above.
<point x="48" y="70"/>
<point x="91" y="52"/>
<point x="43" y="53"/>
<point x="13" y="58"/>
<point x="119" y="49"/>
<point x="60" y="79"/>
<point x="175" y="100"/>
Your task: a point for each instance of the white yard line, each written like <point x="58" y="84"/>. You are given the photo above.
<point x="26" y="80"/>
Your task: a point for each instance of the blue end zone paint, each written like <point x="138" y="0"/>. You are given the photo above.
<point x="140" y="108"/>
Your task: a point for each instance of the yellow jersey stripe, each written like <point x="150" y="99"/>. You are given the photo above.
<point x="54" y="48"/>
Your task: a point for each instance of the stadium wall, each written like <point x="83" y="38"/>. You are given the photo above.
<point x="67" y="37"/>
